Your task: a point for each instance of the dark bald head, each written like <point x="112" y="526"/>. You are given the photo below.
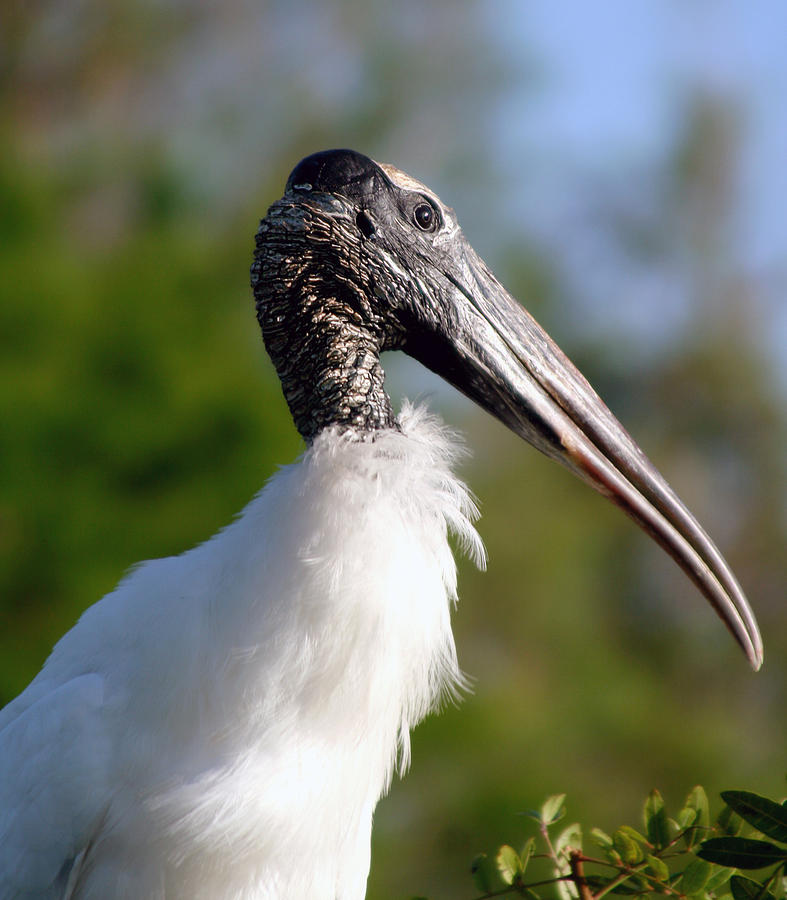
<point x="344" y="172"/>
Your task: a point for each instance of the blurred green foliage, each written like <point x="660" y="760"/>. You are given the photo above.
<point x="130" y="424"/>
<point x="138" y="414"/>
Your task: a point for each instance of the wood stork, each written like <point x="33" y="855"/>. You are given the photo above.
<point x="223" y="724"/>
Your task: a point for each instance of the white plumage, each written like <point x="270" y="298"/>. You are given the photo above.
<point x="203" y="725"/>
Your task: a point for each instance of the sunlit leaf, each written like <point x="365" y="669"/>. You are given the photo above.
<point x="694" y="818"/>
<point x="567" y="890"/>
<point x="742" y="853"/>
<point x="629" y="850"/>
<point x="553" y="809"/>
<point x="721" y="875"/>
<point x="695" y="876"/>
<point x="508" y="864"/>
<point x="765" y="815"/>
<point x="698" y="800"/>
<point x="686" y="817"/>
<point x="601" y="837"/>
<point x="635" y="835"/>
<point x="657" y="867"/>
<point x="569" y="837"/>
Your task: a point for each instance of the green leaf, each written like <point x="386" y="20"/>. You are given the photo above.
<point x="685" y="818"/>
<point x="569" y="837"/>
<point x="553" y="809"/>
<point x="509" y="865"/>
<point x="765" y="815"/>
<point x="694" y="818"/>
<point x="655" y="817"/>
<point x="698" y="800"/>
<point x="482" y="871"/>
<point x="635" y="835"/>
<point x="695" y="876"/>
<point x="728" y="822"/>
<point x="746" y="889"/>
<point x="741" y="853"/>
<point x="658" y="867"/>
<point x="721" y="875"/>
<point x="629" y="850"/>
<point x="566" y="890"/>
<point x="601" y="838"/>
<point x="527" y="852"/>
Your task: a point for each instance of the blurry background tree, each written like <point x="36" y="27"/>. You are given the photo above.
<point x="139" y="145"/>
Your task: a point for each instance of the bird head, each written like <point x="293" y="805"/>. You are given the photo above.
<point x="357" y="258"/>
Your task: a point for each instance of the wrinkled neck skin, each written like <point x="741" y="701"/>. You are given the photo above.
<point x="322" y="336"/>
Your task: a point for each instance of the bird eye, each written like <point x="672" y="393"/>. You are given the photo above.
<point x="425" y="217"/>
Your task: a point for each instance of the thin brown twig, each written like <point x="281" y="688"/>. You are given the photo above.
<point x="578" y="875"/>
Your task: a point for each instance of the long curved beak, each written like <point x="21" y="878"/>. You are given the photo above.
<point x="500" y="357"/>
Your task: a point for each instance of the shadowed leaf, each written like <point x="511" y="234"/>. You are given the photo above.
<point x="527" y="852"/>
<point x="729" y="822"/>
<point x="655" y="817"/>
<point x="746" y="889"/>
<point x="632" y="885"/>
<point x="741" y="853"/>
<point x="482" y="871"/>
<point x="765" y="815"/>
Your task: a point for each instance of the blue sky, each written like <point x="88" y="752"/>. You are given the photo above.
<point x="613" y="71"/>
<point x="612" y="80"/>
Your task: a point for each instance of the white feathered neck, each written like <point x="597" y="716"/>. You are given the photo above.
<point x="272" y="676"/>
<point x="345" y="553"/>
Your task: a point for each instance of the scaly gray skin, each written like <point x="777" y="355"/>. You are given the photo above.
<point x="358" y="258"/>
<point x="312" y="277"/>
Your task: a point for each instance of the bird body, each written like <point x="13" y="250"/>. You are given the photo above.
<point x="223" y="724"/>
<point x="243" y="706"/>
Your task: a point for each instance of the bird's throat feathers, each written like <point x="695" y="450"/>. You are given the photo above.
<point x="365" y="526"/>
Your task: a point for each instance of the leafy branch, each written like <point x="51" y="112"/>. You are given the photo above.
<point x="685" y="857"/>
